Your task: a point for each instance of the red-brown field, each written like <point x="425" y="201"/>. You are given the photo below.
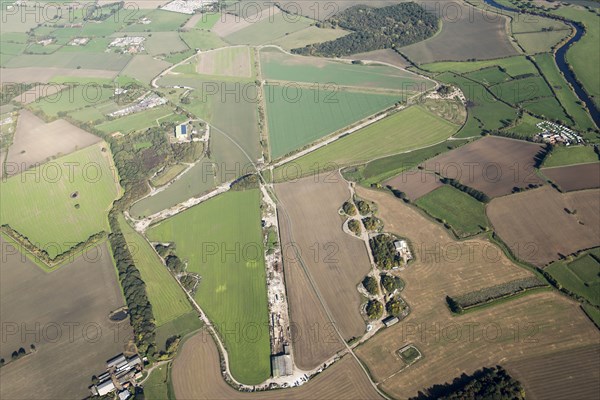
<point x="36" y="142"/>
<point x="542" y="224"/>
<point x="567" y="374"/>
<point x="196" y="375"/>
<point x="415" y="183"/>
<point x="65" y="315"/>
<point x="335" y="261"/>
<point x="493" y="165"/>
<point x="536" y="324"/>
<point x="575" y="177"/>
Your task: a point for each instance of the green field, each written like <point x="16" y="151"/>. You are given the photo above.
<point x="309" y="35"/>
<point x="106" y="61"/>
<point x="564" y="94"/>
<point x="144" y="68"/>
<point x="298" y="116"/>
<point x="562" y="155"/>
<point x="73" y="98"/>
<point x="167" y="298"/>
<point x="581" y="276"/>
<point x="208" y="20"/>
<point x="517" y="91"/>
<point x="464" y="214"/>
<point x="202" y="40"/>
<point x="384" y="168"/>
<point x="155" y="388"/>
<point x="526" y="126"/>
<point x="514" y="66"/>
<point x="162" y="21"/>
<point x="539" y="42"/>
<point x="284" y="67"/>
<point x="40" y="205"/>
<point x="584" y="56"/>
<point x="268" y="30"/>
<point x="406" y="130"/>
<point x="180" y="326"/>
<point x="548" y="107"/>
<point x="137" y="121"/>
<point x="489" y="76"/>
<point x="222" y="241"/>
<point x="484" y="112"/>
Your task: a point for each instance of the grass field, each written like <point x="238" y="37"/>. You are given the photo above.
<point x="583" y="55"/>
<point x="284" y="67"/>
<point x="42" y="206"/>
<point x="162" y="21"/>
<point x="564" y="94"/>
<point x="144" y="68"/>
<point x="202" y="40"/>
<point x="514" y="66"/>
<point x="464" y="214"/>
<point x="221" y="240"/>
<point x="526" y="126"/>
<point x="548" y="107"/>
<point x="180" y="326"/>
<point x="485" y="112"/>
<point x="103" y="61"/>
<point x="155" y="388"/>
<point x="581" y="276"/>
<point x="381" y="169"/>
<point x="562" y="155"/>
<point x="307" y="36"/>
<point x="298" y="116"/>
<point x="167" y="298"/>
<point x="403" y="131"/>
<point x="538" y="42"/>
<point x="268" y="29"/>
<point x="519" y="90"/>
<point x="489" y="76"/>
<point x="73" y="98"/>
<point x="137" y="121"/>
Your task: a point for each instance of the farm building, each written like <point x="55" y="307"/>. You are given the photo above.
<point x="403" y="249"/>
<point x="389" y="321"/>
<point x="181" y="132"/>
<point x="281" y="365"/>
<point x="105" y="388"/>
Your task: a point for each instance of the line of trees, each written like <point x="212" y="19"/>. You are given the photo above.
<point x="476" y="194"/>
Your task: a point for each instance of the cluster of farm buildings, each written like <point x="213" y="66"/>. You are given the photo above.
<point x="145" y="102"/>
<point x="128" y="44"/>
<point x="557" y="134"/>
<point x="121" y="373"/>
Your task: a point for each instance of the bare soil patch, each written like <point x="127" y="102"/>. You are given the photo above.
<point x="493" y="165"/>
<point x="67" y="314"/>
<point x="538" y="323"/>
<point x="196" y="374"/>
<point x="541" y="225"/>
<point x="575" y="177"/>
<point x="36" y="142"/>
<point x="568" y="374"/>
<point x="415" y="183"/>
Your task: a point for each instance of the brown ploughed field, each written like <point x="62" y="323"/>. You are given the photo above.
<point x="575" y="177"/>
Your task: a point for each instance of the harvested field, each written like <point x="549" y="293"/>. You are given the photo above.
<point x="196" y="375"/>
<point x="575" y="177"/>
<point x="36" y="142"/>
<point x="44" y="75"/>
<point x="337" y="262"/>
<point x="229" y="61"/>
<point x="482" y="35"/>
<point x="79" y="295"/>
<point x="493" y="165"/>
<point x="451" y="344"/>
<point x="144" y="68"/>
<point x="527" y="222"/>
<point x="567" y="374"/>
<point x="415" y="183"/>
<point x="266" y="30"/>
<point x="387" y="56"/>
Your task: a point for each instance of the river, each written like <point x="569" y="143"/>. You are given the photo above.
<point x="560" y="58"/>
